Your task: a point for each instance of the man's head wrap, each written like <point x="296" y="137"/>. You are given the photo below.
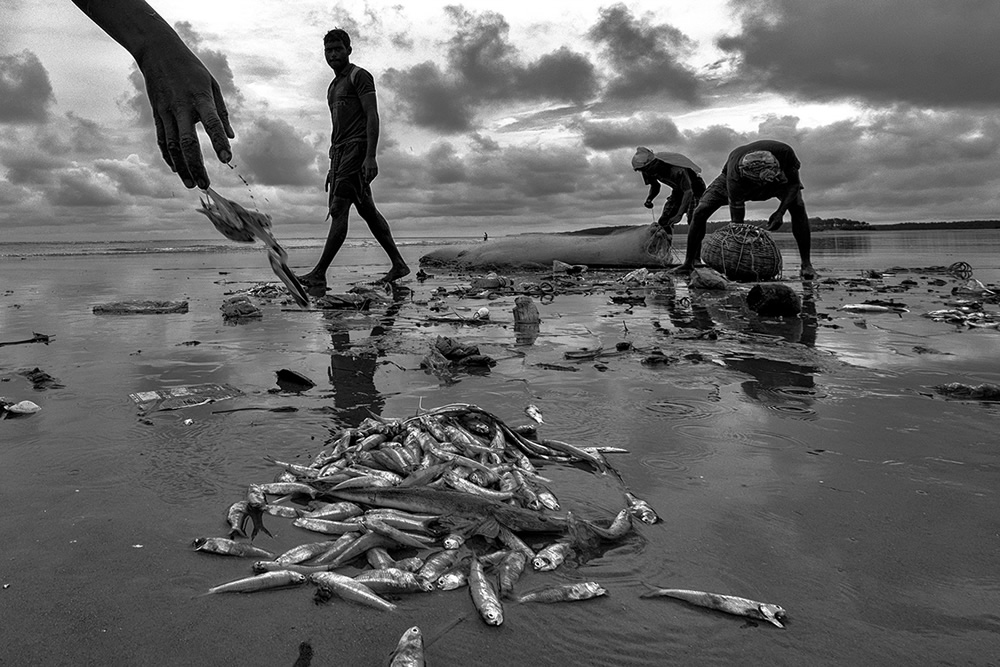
<point x="643" y="158"/>
<point x="761" y="167"/>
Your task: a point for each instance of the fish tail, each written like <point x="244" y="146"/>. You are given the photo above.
<point x="257" y="516"/>
<point x="652" y="592"/>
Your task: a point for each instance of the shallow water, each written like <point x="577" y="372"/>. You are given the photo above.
<point x="816" y="470"/>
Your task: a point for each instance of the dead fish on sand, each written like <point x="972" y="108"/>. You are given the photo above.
<point x="565" y="593"/>
<point x="227" y="547"/>
<point x="409" y="651"/>
<point x="762" y="611"/>
<point x="533" y="412"/>
<point x="871" y="308"/>
<point x="261" y="582"/>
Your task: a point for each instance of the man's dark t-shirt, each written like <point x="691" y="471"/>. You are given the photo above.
<point x="344" y="98"/>
<point x="743" y="189"/>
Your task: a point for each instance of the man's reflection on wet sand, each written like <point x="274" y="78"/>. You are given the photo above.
<point x="773" y="371"/>
<point x="353" y="364"/>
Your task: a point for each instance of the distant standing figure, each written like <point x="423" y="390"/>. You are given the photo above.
<point x="486" y="236"/>
<point x="758" y="171"/>
<point x="680" y="173"/>
<point x="181" y="90"/>
<point x="354" y="140"/>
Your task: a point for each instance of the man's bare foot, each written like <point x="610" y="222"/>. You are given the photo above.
<point x="395" y="273"/>
<point x="807" y="272"/>
<point x="682" y="270"/>
<point x="313" y="285"/>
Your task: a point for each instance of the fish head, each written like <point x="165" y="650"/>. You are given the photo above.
<point x="493" y="615"/>
<point x="297" y="578"/>
<point x="199" y="542"/>
<point x="772" y="613"/>
<point x="412" y="635"/>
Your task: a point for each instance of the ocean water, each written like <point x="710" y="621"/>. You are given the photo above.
<point x="808" y="463"/>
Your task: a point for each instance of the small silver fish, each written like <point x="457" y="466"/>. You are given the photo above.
<point x="533" y="412"/>
<point x="551" y="556"/>
<point x="566" y="593"/>
<point x="226" y="547"/>
<point x="261" y="582"/>
<point x="449" y="581"/>
<point x="410" y="650"/>
<point x="730" y="604"/>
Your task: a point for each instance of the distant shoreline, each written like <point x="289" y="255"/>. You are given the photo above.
<point x="815" y="225"/>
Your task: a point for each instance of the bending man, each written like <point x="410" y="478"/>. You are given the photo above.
<point x="354" y="112"/>
<point x="676" y="171"/>
<point x="758" y="171"/>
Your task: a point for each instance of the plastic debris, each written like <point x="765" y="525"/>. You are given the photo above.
<point x="188" y="396"/>
<point x="141" y="308"/>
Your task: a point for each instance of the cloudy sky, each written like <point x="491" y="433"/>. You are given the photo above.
<point x="509" y="116"/>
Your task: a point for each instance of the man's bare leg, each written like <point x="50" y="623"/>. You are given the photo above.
<point x="696" y="234"/>
<point x="315" y="280"/>
<point x="379" y="227"/>
<point x="802" y="234"/>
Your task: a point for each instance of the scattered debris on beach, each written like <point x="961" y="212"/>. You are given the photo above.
<point x="141" y="308"/>
<point x="9" y="409"/>
<point x="240" y="309"/>
<point x="187" y="396"/>
<point x="35" y="338"/>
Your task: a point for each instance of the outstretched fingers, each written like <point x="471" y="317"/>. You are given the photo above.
<point x="190" y="150"/>
<point x="215" y="117"/>
<point x="173" y="145"/>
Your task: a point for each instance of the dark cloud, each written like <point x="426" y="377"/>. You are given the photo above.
<point x="482" y="68"/>
<point x="75" y="135"/>
<point x="430" y="99"/>
<point x="263" y="67"/>
<point x="12" y="195"/>
<point x="216" y="61"/>
<point x="560" y="75"/>
<point x="25" y="89"/>
<point x="655" y="131"/>
<point x="30" y="167"/>
<point x="924" y="52"/>
<point x="483" y="143"/>
<point x="401" y="40"/>
<point x="134" y="178"/>
<point x="81" y="187"/>
<point x="645" y="57"/>
<point x="275" y="153"/>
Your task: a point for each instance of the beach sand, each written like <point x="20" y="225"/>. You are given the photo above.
<point x="807" y="463"/>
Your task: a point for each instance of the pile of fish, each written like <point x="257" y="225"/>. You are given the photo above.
<point x="441" y="500"/>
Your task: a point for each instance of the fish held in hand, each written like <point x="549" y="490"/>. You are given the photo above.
<point x="761" y="611"/>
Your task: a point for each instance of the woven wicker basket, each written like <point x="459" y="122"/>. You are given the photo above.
<point x="742" y="252"/>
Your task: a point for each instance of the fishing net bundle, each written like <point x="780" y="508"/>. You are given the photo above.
<point x="659" y="245"/>
<point x="742" y="251"/>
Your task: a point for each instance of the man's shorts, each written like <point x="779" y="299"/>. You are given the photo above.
<point x="345" y="178"/>
<point x="717" y="193"/>
<point x="671" y="206"/>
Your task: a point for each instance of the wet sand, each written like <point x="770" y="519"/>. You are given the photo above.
<point x="808" y="463"/>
